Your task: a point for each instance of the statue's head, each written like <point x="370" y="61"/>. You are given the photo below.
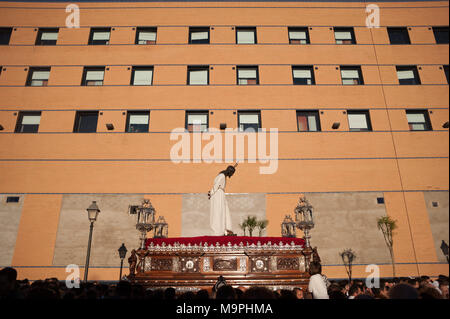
<point x="230" y="171"/>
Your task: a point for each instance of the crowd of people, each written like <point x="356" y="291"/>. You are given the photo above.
<point x="319" y="288"/>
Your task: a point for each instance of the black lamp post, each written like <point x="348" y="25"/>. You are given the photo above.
<point x="92" y="215"/>
<point x="348" y="256"/>
<point x="122" y="253"/>
<point x="444" y="248"/>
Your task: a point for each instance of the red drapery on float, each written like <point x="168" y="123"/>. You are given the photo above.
<point x="224" y="240"/>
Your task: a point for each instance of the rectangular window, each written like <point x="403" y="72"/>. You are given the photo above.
<point x="408" y="75"/>
<point x="93" y="76"/>
<point x="351" y="75"/>
<point x="5" y="35"/>
<point x="28" y="122"/>
<point x="441" y="35"/>
<point x="12" y="199"/>
<point x="308" y="121"/>
<point x="86" y="122"/>
<point x="303" y="75"/>
<point x="298" y="35"/>
<point x="344" y="36"/>
<point x="38" y="76"/>
<point x="418" y="120"/>
<point x="198" y="75"/>
<point x="47" y="37"/>
<point x="249" y="121"/>
<point x="137" y="121"/>
<point x="247" y="75"/>
<point x="447" y="75"/>
<point x="197" y="121"/>
<point x="359" y="121"/>
<point x="142" y="75"/>
<point x="145" y="36"/>
<point x="246" y="35"/>
<point x="398" y="35"/>
<point x="99" y="36"/>
<point x="199" y="35"/>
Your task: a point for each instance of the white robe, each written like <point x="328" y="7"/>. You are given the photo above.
<point x="220" y="218"/>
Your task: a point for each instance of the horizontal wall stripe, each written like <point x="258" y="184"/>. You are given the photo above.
<point x="279" y="132"/>
<point x="215" y="85"/>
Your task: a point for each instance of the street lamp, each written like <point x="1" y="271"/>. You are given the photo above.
<point x="304" y="218"/>
<point x="348" y="256"/>
<point x="444" y="248"/>
<point x="92" y="215"/>
<point x="122" y="253"/>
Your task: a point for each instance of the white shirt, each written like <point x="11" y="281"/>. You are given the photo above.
<point x="318" y="287"/>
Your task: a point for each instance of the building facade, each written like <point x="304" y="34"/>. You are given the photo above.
<point x="357" y="91"/>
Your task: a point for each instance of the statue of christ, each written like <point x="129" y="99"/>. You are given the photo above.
<point x="220" y="219"/>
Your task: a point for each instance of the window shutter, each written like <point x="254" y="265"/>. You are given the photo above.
<point x="405" y="74"/>
<point x="246" y="37"/>
<point x="247" y="74"/>
<point x="198" y="77"/>
<point x="147" y="36"/>
<point x="249" y="119"/>
<point x="302" y="74"/>
<point x="415" y="117"/>
<point x="49" y="36"/>
<point x="139" y="119"/>
<point x="357" y="120"/>
<point x="302" y="123"/>
<point x="31" y="120"/>
<point x="197" y="119"/>
<point x="40" y="75"/>
<point x="143" y="77"/>
<point x="297" y="35"/>
<point x="343" y="35"/>
<point x="350" y="74"/>
<point x="101" y="36"/>
<point x="312" y="123"/>
<point x="199" y="35"/>
<point x="95" y="75"/>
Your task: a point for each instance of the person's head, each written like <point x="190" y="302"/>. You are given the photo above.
<point x="443" y="287"/>
<point x="169" y="293"/>
<point x="226" y="292"/>
<point x="354" y="290"/>
<point x="8" y="277"/>
<point x="298" y="293"/>
<point x="429" y="293"/>
<point x="403" y="291"/>
<point x="337" y="294"/>
<point x="229" y="171"/>
<point x="287" y="295"/>
<point x="202" y="295"/>
<point x="259" y="293"/>
<point x="315" y="268"/>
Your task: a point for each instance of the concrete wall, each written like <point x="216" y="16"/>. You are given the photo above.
<point x="10" y="217"/>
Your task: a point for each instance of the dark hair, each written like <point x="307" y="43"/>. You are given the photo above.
<point x="287" y="295"/>
<point x="403" y="291"/>
<point x="315" y="268"/>
<point x="258" y="293"/>
<point x="337" y="294"/>
<point x="353" y="289"/>
<point x="226" y="292"/>
<point x="169" y="294"/>
<point x="429" y="293"/>
<point x="202" y="294"/>
<point x="9" y="273"/>
<point x="229" y="169"/>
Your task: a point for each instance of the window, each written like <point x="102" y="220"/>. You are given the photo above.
<point x="249" y="121"/>
<point x="12" y="199"/>
<point x="441" y="35"/>
<point x="198" y="75"/>
<point x="146" y="36"/>
<point x="298" y="35"/>
<point x="308" y="121"/>
<point x="351" y="75"/>
<point x="93" y="76"/>
<point x="47" y="37"/>
<point x="446" y="71"/>
<point x="28" y="122"/>
<point x="398" y="35"/>
<point x="38" y="77"/>
<point x="303" y="75"/>
<point x="137" y="121"/>
<point x="344" y="36"/>
<point x="5" y="35"/>
<point x="418" y="120"/>
<point x="199" y="35"/>
<point x="359" y="121"/>
<point x="99" y="36"/>
<point x="197" y="121"/>
<point x="247" y="75"/>
<point x="142" y="75"/>
<point x="246" y="35"/>
<point x="86" y="122"/>
<point x="408" y="75"/>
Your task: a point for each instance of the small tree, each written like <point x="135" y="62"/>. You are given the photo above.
<point x="261" y="225"/>
<point x="243" y="226"/>
<point x="251" y="224"/>
<point x="387" y="225"/>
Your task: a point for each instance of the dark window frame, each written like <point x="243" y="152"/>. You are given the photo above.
<point x="438" y="37"/>
<point x="427" y="123"/>
<point x="345" y="29"/>
<point x="137" y="112"/>
<point x="78" y="115"/>
<point x="99" y="42"/>
<point x="39" y="41"/>
<point x="314" y="113"/>
<point x="20" y="127"/>
<point x="401" y="31"/>
<point x="199" y="29"/>
<point x="299" y="29"/>
<point x="413" y="68"/>
<point x="368" y="120"/>
<point x="446" y="72"/>
<point x="304" y="67"/>
<point x="31" y="70"/>
<point x="141" y="68"/>
<point x="144" y="29"/>
<point x="197" y="68"/>
<point x="240" y="112"/>
<point x="193" y="112"/>
<point x="350" y="68"/>
<point x="5" y="33"/>
<point x="249" y="67"/>
<point x="241" y="28"/>
<point x="92" y="68"/>
<point x="12" y="199"/>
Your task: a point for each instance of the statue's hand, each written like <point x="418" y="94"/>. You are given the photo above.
<point x="209" y="195"/>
